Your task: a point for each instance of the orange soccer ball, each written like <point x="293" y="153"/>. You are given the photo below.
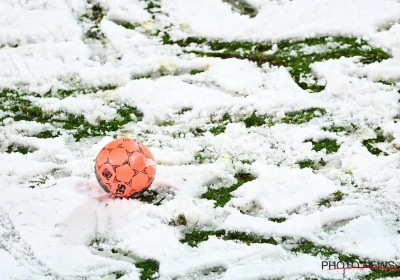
<point x="125" y="167"/>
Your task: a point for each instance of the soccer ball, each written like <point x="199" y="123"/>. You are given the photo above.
<point x="125" y="167"/>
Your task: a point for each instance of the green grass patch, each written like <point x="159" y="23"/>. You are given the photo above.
<point x="184" y="110"/>
<point x="16" y="106"/>
<point x="218" y="129"/>
<point x="39" y="181"/>
<point x="303" y="116"/>
<point x="14" y="148"/>
<point x="196" y="71"/>
<point x="222" y="122"/>
<point x="195" y="237"/>
<point x="330" y="145"/>
<point x="63" y="93"/>
<point x="179" y="221"/>
<point x="83" y="129"/>
<point x="204" y="156"/>
<point x="308" y="163"/>
<point x="144" y="76"/>
<point x="125" y="24"/>
<point x="197" y="132"/>
<point x="381" y="274"/>
<point x="369" y="144"/>
<point x="308" y="247"/>
<point x="166" y="123"/>
<point x="148" y="269"/>
<point x="94" y="16"/>
<point x="297" y="56"/>
<point x="9" y="46"/>
<point x="47" y="134"/>
<point x="341" y="129"/>
<point x="95" y="13"/>
<point x="153" y="7"/>
<point x="151" y="197"/>
<point x="242" y="7"/>
<point x="118" y="274"/>
<point x="336" y="196"/>
<point x="314" y="165"/>
<point x="277" y="220"/>
<point x="222" y="195"/>
<point x="254" y="120"/>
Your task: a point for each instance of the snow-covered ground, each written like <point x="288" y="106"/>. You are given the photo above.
<point x="57" y="223"/>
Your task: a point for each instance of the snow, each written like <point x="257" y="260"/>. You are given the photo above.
<point x="47" y="229"/>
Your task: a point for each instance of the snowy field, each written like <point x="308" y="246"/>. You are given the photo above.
<point x="274" y="125"/>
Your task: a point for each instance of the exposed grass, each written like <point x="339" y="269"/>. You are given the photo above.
<point x="308" y="163"/>
<point x="221" y="124"/>
<point x="308" y="247"/>
<point x="63" y="93"/>
<point x="153" y="7"/>
<point x="18" y="107"/>
<point x="184" y="110"/>
<point x="242" y="7"/>
<point x="195" y="237"/>
<point x="369" y="144"/>
<point x="39" y="181"/>
<point x="14" y="148"/>
<point x="9" y="46"/>
<point x="346" y="130"/>
<point x="223" y="195"/>
<point x="297" y="56"/>
<point x="166" y="123"/>
<point x="83" y="129"/>
<point x="254" y="120"/>
<point x="277" y="220"/>
<point x="125" y="24"/>
<point x="118" y="274"/>
<point x="302" y="116"/>
<point x="94" y="15"/>
<point x="198" y="131"/>
<point x="148" y="269"/>
<point x="330" y="145"/>
<point x="149" y="196"/>
<point x="181" y="219"/>
<point x="143" y="76"/>
<point x="203" y="156"/>
<point x="196" y="71"/>
<point x="336" y="196"/>
<point x="381" y="274"/>
<point x="295" y="117"/>
<point x="47" y="134"/>
<point x="218" y="129"/>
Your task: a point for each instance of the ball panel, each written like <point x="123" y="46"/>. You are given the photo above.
<point x="150" y="167"/>
<point x="117" y="156"/>
<point x="113" y="144"/>
<point x="146" y="151"/>
<point x="139" y="182"/>
<point x="124" y="173"/>
<point x="137" y="161"/>
<point x="130" y="146"/>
